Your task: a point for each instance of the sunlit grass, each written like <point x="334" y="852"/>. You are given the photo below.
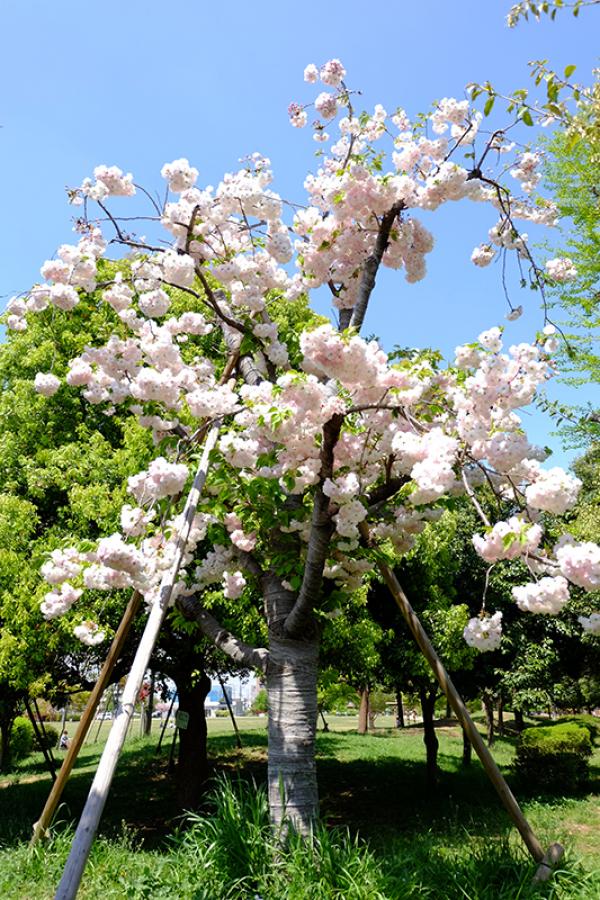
<point x="386" y="836"/>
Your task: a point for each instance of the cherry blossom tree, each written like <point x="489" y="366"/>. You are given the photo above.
<point x="324" y="438"/>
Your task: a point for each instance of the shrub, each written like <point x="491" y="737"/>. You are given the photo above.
<point x="52" y="736"/>
<point x="554" y="756"/>
<point x="21" y="738"/>
<point x="590" y="723"/>
<point x="261" y="703"/>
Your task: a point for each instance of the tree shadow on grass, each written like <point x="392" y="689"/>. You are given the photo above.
<point x="140" y="796"/>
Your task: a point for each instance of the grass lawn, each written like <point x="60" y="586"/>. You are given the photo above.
<point x="456" y="842"/>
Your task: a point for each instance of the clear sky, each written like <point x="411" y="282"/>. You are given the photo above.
<point x="137" y="84"/>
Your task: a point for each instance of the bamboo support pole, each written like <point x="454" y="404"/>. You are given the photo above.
<point x="87" y="718"/>
<point x="94" y="806"/>
<point x="555" y="852"/>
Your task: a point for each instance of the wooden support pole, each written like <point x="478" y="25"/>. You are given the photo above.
<point x="44" y="734"/>
<point x="238" y="737"/>
<point x="507" y="797"/>
<point x="94" y="806"/>
<point x="63" y="724"/>
<point x="100" y="721"/>
<point x="87" y="717"/>
<point x="164" y="726"/>
<point x="42" y="743"/>
<point x="171" y="765"/>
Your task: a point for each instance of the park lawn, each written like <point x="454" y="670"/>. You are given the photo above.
<point x="441" y="843"/>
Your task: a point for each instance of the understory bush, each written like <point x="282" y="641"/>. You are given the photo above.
<point x="554" y="756"/>
<point x="51" y="735"/>
<point x="21" y="738"/>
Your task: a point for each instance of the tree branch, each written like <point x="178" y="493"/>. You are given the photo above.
<point x="244" y="654"/>
<point x="386" y="490"/>
<point x="320" y="536"/>
<point x="372" y="263"/>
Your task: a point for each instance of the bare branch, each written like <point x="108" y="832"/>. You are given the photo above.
<point x="320" y="536"/>
<point x="474" y="500"/>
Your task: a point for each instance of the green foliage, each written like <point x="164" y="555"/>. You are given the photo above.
<point x="51" y="736"/>
<point x="571" y="176"/>
<point x="261" y="703"/>
<point x="590" y="723"/>
<point x="554" y="756"/>
<point x="22" y="738"/>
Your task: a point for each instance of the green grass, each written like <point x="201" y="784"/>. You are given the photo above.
<point x="386" y="836"/>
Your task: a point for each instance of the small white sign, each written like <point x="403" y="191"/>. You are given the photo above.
<point x="182" y="719"/>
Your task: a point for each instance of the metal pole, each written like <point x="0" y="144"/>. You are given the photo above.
<point x="87" y="717"/>
<point x="530" y="840"/>
<point x="92" y="812"/>
<point x="235" y="727"/>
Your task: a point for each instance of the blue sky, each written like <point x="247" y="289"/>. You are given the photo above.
<point x="138" y="84"/>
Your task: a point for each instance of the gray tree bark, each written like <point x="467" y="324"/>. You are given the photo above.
<point x="292" y="691"/>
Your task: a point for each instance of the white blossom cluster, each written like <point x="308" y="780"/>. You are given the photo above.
<point x="548" y="595"/>
<point x="484" y="633"/>
<point x="591" y="623"/>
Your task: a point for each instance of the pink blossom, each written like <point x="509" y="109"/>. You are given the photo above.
<point x="46" y="384"/>
<point x="548" y="595"/>
<point x="332" y="73"/>
<point x="326" y="105"/>
<point x="561" y="269"/>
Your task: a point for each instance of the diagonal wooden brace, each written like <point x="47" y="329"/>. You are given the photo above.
<point x="555" y="852"/>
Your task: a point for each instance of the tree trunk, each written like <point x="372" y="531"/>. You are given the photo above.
<point x="519" y="723"/>
<point x="291" y="681"/>
<point x="429" y="736"/>
<point x="399" y="709"/>
<point x="363" y="711"/>
<point x="488" y="707"/>
<point x="5" y="730"/>
<point x="192" y="769"/>
<point x="448" y="713"/>
<point x="467" y="749"/>
<point x="501" y="717"/>
<point x="150" y="706"/>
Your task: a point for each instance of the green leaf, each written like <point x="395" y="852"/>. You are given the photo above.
<point x="489" y="105"/>
<point x="569" y="71"/>
<point x="526" y="118"/>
